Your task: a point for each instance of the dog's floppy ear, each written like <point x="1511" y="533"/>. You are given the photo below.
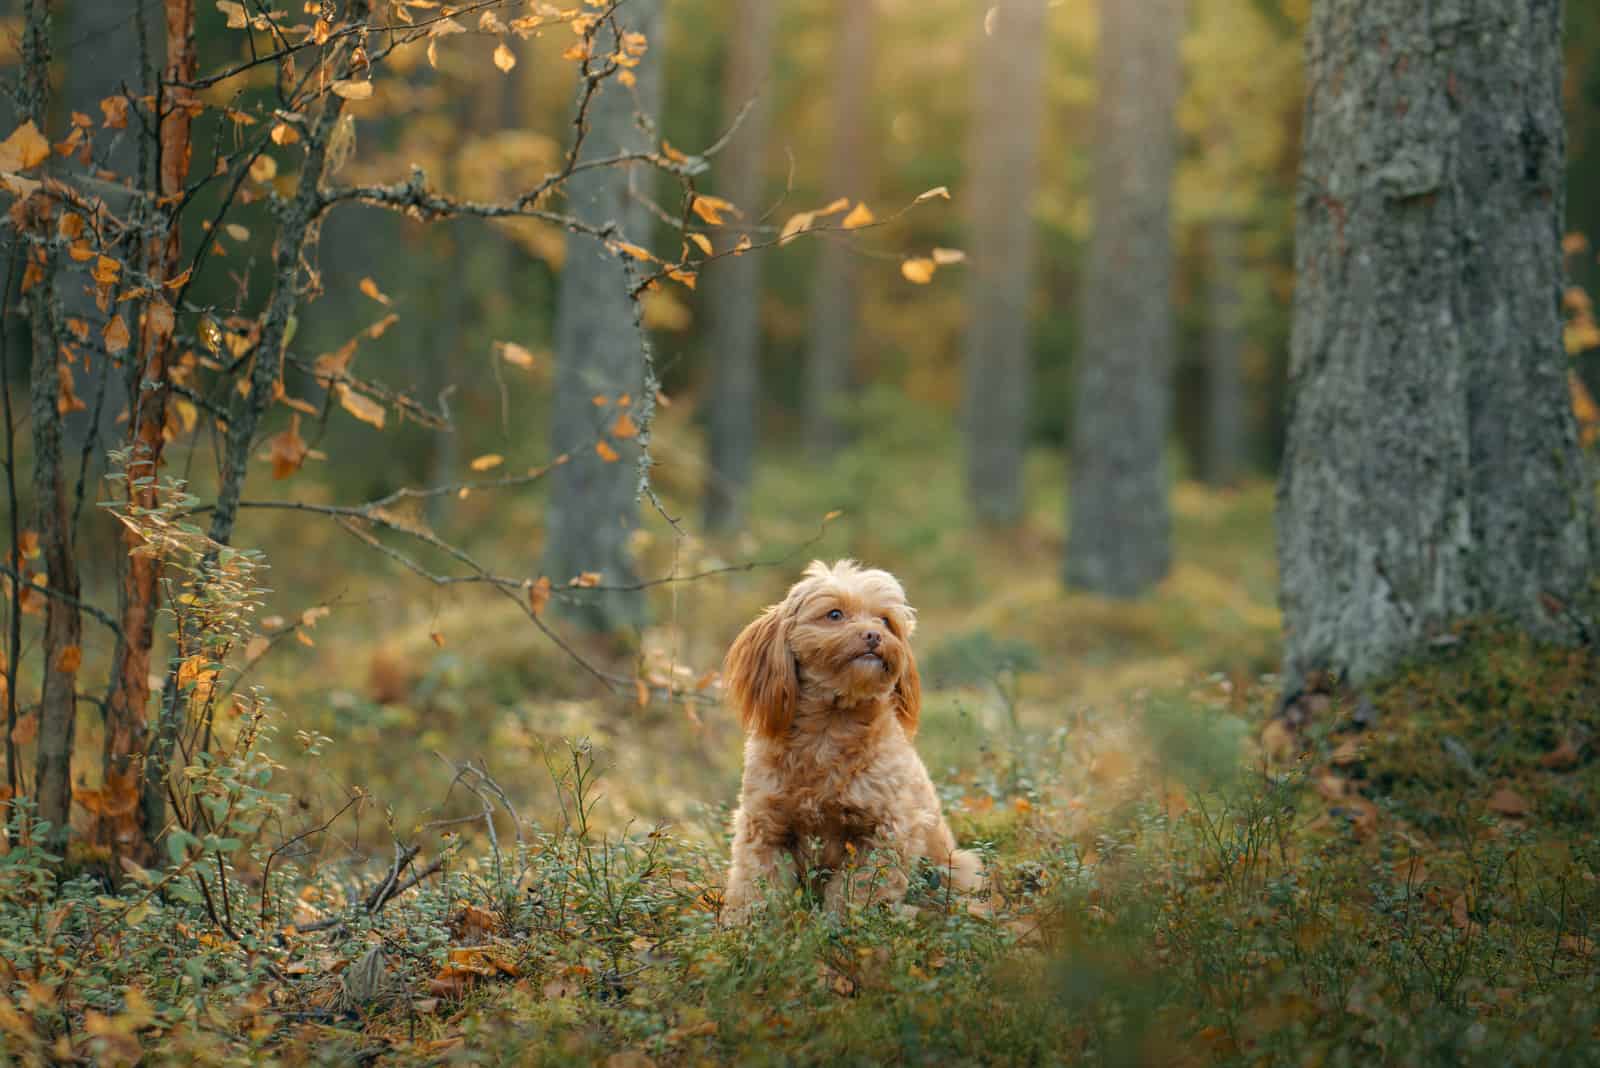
<point x="760" y="675"/>
<point x="908" y="696"/>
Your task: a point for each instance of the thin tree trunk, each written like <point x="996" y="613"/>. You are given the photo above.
<point x="734" y="285"/>
<point x="593" y="509"/>
<point x="1005" y="153"/>
<point x="117" y="823"/>
<point x="1118" y="517"/>
<point x="298" y="220"/>
<point x="835" y="299"/>
<point x="1225" y="408"/>
<point x="63" y="625"/>
<point x="1433" y="471"/>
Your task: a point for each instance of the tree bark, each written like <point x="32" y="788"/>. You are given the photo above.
<point x="63" y="625"/>
<point x="116" y="823"/>
<point x="835" y="298"/>
<point x="1118" y="518"/>
<point x="593" y="508"/>
<point x="1225" y="393"/>
<point x="1009" y="96"/>
<point x="735" y="284"/>
<point x="1433" y="471"/>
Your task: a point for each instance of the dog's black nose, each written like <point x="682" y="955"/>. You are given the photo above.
<point x="873" y="639"/>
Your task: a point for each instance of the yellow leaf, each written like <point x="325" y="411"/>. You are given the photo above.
<point x="607" y="453"/>
<point x="627" y="78"/>
<point x="370" y="289"/>
<point x="284" y="134"/>
<point x="711" y="208"/>
<point x="624" y="427"/>
<point x="26" y="147"/>
<point x="634" y="44"/>
<point x="237" y="232"/>
<point x="106" y="271"/>
<point x="944" y="257"/>
<point x="671" y="153"/>
<point x="940" y="191"/>
<point x="831" y="516"/>
<point x="578" y="51"/>
<point x="743" y="246"/>
<point x="833" y="208"/>
<point x="237" y="20"/>
<point x="588" y="580"/>
<point x="797" y="223"/>
<point x="504" y="58"/>
<point x="363" y="408"/>
<point x="263" y="168"/>
<point x="115" y="335"/>
<point x="353" y="89"/>
<point x="377" y="329"/>
<point x="487" y="461"/>
<point x="515" y="354"/>
<point x="860" y="216"/>
<point x="702" y="242"/>
<point x="445" y="27"/>
<point x="918" y="269"/>
<point x="682" y="277"/>
<point x="628" y="248"/>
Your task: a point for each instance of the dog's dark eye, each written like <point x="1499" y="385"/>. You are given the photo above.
<point x="836" y="615"/>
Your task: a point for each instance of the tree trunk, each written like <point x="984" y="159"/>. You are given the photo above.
<point x="1005" y="155"/>
<point x="734" y="285"/>
<point x="1118" y="518"/>
<point x="834" y="295"/>
<point x="63" y="625"/>
<point x="116" y="821"/>
<point x="593" y="509"/>
<point x="1432" y="471"/>
<point x="1225" y="408"/>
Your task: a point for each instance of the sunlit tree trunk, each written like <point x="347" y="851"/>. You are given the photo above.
<point x="117" y="822"/>
<point x="1118" y="518"/>
<point x="593" y="511"/>
<point x="734" y="285"/>
<point x="1225" y="393"/>
<point x="1005" y="152"/>
<point x="1433" y="471"/>
<point x="834" y="295"/>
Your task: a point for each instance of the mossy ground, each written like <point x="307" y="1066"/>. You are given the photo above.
<point x="1168" y="887"/>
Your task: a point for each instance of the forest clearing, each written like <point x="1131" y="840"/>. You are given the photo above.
<point x="421" y="421"/>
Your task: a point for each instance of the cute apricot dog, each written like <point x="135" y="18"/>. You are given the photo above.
<point x="827" y="690"/>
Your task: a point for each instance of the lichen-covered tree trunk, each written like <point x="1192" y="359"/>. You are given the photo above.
<point x="63" y="627"/>
<point x="1118" y="518"/>
<point x="1005" y="154"/>
<point x="1432" y="471"/>
<point x="734" y="285"/>
<point x="593" y="508"/>
<point x="1225" y="343"/>
<point x="835" y="300"/>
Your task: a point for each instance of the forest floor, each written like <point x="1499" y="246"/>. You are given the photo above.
<point x="1177" y="878"/>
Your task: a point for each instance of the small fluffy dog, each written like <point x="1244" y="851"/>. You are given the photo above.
<point x="827" y="690"/>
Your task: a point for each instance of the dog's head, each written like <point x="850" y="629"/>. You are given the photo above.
<point x="842" y="635"/>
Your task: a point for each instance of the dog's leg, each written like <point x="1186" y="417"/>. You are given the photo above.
<point x="758" y="855"/>
<point x="961" y="866"/>
<point x="876" y="872"/>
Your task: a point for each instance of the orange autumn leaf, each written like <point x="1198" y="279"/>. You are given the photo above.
<point x="711" y="208"/>
<point x="918" y="269"/>
<point x="362" y="407"/>
<point x="624" y="427"/>
<point x="487" y="461"/>
<point x="287" y="450"/>
<point x="370" y="289"/>
<point x="69" y="659"/>
<point x="606" y="452"/>
<point x="539" y="594"/>
<point x="25" y="148"/>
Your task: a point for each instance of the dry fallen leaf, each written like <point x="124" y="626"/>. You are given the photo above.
<point x="1508" y="802"/>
